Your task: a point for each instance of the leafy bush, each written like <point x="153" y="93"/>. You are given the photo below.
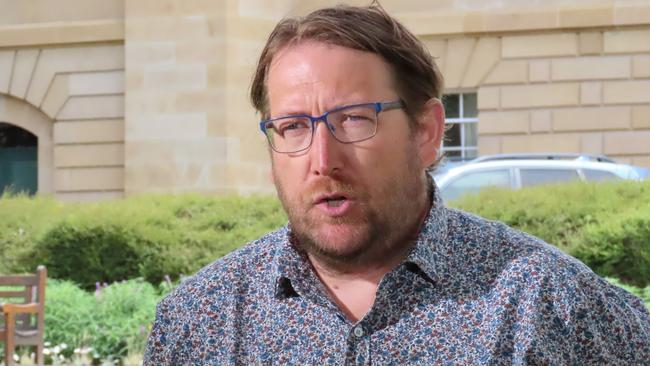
<point x="618" y="247"/>
<point x="146" y="236"/>
<point x="114" y="321"/>
<point x="605" y="225"/>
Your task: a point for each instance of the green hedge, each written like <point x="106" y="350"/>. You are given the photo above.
<point x="605" y="225"/>
<point x="147" y="236"/>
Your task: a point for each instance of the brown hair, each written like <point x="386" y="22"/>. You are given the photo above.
<point x="417" y="78"/>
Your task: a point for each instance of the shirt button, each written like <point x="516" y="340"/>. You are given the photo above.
<point x="358" y="331"/>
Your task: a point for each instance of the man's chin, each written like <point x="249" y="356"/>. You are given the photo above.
<point x="336" y="242"/>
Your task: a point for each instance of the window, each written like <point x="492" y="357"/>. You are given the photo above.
<point x="461" y="135"/>
<point x="475" y="182"/>
<point x="18" y="155"/>
<point x="534" y="177"/>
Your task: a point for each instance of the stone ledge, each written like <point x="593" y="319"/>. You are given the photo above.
<point x="559" y="18"/>
<point x="62" y="33"/>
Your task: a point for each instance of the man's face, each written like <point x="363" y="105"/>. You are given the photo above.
<point x="347" y="203"/>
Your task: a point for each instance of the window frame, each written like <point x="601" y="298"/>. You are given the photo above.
<point x="462" y="121"/>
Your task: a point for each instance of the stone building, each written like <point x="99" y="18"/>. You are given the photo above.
<point x="106" y="98"/>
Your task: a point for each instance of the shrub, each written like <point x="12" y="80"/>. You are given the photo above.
<point x="146" y="236"/>
<point x="605" y="225"/>
<point x="89" y="253"/>
<point x="114" y="321"/>
<point x="618" y="247"/>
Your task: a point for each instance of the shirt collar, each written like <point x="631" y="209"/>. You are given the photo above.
<point x="292" y="265"/>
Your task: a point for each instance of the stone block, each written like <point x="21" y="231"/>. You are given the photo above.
<point x="493" y="123"/>
<point x="542" y="45"/>
<point x="540" y="121"/>
<point x="641" y="66"/>
<point x="204" y="51"/>
<point x="150" y="53"/>
<point x="591" y="119"/>
<point x="560" y="143"/>
<point x="632" y="13"/>
<point x="24" y="65"/>
<point x="486" y="54"/>
<point x="444" y="22"/>
<point x="56" y="96"/>
<point x="592" y="143"/>
<point x="488" y="98"/>
<point x="89" y="179"/>
<point x="590" y="43"/>
<point x="508" y="72"/>
<point x="633" y="91"/>
<point x="489" y="145"/>
<point x="627" y="41"/>
<point x="189" y="127"/>
<point x="627" y="143"/>
<point x="175" y="77"/>
<point x="88" y="155"/>
<point x="97" y="83"/>
<point x="71" y="60"/>
<point x="92" y="107"/>
<point x="161" y="29"/>
<point x="585" y="16"/>
<point x="459" y="51"/>
<point x="591" y="93"/>
<point x="641" y="117"/>
<point x="515" y="20"/>
<point x="85" y="132"/>
<point x="6" y="69"/>
<point x="206" y="151"/>
<point x="31" y="34"/>
<point x="539" y="71"/>
<point x="540" y="95"/>
<point x="437" y="48"/>
<point x="591" y="67"/>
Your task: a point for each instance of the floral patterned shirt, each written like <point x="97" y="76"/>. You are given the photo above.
<point x="471" y="292"/>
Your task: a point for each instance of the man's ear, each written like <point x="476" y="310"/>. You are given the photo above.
<point x="430" y="131"/>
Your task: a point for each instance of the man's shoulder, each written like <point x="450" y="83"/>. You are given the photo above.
<point x="504" y="252"/>
<point x="247" y="269"/>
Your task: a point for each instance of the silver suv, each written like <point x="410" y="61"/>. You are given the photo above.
<point x="526" y="170"/>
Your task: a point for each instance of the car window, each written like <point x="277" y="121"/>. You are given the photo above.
<point x="593" y="175"/>
<point x="534" y="177"/>
<point x="474" y="182"/>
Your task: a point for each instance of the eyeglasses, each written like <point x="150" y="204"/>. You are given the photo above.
<point x="348" y="124"/>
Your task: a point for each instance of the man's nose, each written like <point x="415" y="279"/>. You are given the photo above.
<point x="325" y="151"/>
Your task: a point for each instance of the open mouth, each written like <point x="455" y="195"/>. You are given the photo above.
<point x="335" y="200"/>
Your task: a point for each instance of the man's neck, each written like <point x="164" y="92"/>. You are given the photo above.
<point x="354" y="288"/>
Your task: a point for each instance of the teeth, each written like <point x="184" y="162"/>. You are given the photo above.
<point x="335" y="202"/>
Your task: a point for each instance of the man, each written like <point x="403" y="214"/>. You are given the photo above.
<point x="372" y="268"/>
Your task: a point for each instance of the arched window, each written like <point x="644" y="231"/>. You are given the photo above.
<point x="18" y="159"/>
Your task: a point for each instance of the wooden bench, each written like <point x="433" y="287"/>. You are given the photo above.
<point x="22" y="304"/>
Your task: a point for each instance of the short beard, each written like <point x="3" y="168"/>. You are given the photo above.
<point x="380" y="234"/>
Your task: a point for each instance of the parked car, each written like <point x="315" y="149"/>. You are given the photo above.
<point x="526" y="170"/>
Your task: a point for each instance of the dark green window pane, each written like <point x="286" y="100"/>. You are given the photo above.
<point x="451" y="103"/>
<point x="469" y="105"/>
<point x="452" y="135"/>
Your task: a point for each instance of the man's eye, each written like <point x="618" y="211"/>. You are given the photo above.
<point x="293" y="127"/>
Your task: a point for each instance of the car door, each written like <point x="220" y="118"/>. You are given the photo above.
<point x="534" y="176"/>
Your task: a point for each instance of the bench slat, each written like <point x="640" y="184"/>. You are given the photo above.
<point x="18" y="281"/>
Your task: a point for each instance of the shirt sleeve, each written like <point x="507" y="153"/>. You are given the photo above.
<point x="160" y="348"/>
<point x="611" y="326"/>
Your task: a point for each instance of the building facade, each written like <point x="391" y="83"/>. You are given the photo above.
<point x="136" y="96"/>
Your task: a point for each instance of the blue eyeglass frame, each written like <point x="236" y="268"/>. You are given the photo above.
<point x="379" y="106"/>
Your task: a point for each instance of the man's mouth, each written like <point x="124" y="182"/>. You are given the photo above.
<point x="335" y="203"/>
